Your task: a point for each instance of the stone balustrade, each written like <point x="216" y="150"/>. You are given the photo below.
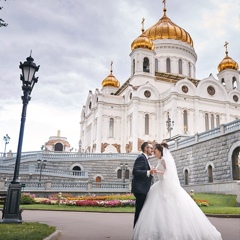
<point x="199" y="137"/>
<point x="70" y="186"/>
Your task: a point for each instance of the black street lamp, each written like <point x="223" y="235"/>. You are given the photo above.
<point x="11" y="211"/>
<point x="41" y="165"/>
<point x="6" y="139"/>
<point x="169" y="124"/>
<point x="124" y="167"/>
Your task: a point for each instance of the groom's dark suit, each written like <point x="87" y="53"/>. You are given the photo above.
<point x="141" y="182"/>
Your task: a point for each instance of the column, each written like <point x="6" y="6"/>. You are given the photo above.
<point x="99" y="115"/>
<point x="135" y="126"/>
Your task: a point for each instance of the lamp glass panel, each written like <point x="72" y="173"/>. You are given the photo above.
<point x="28" y="73"/>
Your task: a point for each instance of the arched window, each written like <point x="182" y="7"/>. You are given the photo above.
<point x="206" y="122"/>
<point x="210" y="174"/>
<point x="189" y="70"/>
<point x="133" y="66"/>
<point x="236" y="164"/>
<point x="58" y="147"/>
<point x="119" y="173"/>
<point x="90" y="105"/>
<point x="146" y="124"/>
<point x="127" y="174"/>
<point x="146" y="64"/>
<point x="212" y="121"/>
<point x="156" y="64"/>
<point x="186" y="176"/>
<point x="217" y="121"/>
<point x="98" y="182"/>
<point x="111" y="127"/>
<point x="223" y="82"/>
<point x="185" y="121"/>
<point x="234" y="82"/>
<point x="180" y="66"/>
<point x="76" y="171"/>
<point x="168" y="65"/>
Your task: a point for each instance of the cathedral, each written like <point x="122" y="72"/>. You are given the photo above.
<point x="162" y="99"/>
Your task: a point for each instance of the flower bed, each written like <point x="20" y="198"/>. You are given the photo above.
<point x="127" y="200"/>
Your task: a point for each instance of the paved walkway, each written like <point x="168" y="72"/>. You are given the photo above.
<point x="113" y="226"/>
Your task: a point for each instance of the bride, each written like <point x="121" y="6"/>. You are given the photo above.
<point x="169" y="213"/>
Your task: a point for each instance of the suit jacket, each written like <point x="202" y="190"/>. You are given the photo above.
<point x="141" y="183"/>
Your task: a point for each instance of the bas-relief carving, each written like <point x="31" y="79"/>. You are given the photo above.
<point x="104" y="145"/>
<point x="141" y="141"/>
<point x="118" y="147"/>
<point x="129" y="147"/>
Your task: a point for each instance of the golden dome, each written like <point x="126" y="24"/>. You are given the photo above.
<point x="110" y="80"/>
<point x="166" y="29"/>
<point x="227" y="62"/>
<point x="142" y="41"/>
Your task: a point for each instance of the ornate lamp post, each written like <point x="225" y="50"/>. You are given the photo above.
<point x="6" y="139"/>
<point x="12" y="213"/>
<point x="124" y="167"/>
<point x="41" y="165"/>
<point x="169" y="124"/>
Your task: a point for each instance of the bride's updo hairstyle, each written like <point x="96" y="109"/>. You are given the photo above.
<point x="159" y="147"/>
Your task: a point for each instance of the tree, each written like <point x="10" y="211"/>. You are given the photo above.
<point x="2" y="23"/>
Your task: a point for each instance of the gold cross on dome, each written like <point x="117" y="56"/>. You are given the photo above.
<point x="111" y="65"/>
<point x="225" y="45"/>
<point x="164" y="2"/>
<point x="143" y="24"/>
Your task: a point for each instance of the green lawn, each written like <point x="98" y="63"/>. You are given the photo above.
<point x="220" y="204"/>
<point x="25" y="231"/>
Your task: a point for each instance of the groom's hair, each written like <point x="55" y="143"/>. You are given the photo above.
<point x="143" y="146"/>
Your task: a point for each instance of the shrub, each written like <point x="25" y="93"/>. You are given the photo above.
<point x="27" y="198"/>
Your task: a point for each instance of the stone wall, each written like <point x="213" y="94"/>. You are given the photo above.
<point x="217" y="152"/>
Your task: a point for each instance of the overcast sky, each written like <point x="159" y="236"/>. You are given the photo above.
<point x="74" y="42"/>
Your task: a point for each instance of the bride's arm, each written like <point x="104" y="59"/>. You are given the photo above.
<point x="164" y="165"/>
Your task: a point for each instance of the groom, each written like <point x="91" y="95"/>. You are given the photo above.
<point x="142" y="177"/>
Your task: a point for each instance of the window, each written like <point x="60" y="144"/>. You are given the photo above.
<point x="76" y="171"/>
<point x="111" y="127"/>
<point x="156" y="64"/>
<point x="212" y="121"/>
<point x="98" y="182"/>
<point x="90" y="105"/>
<point x="146" y="64"/>
<point x="189" y="70"/>
<point x="185" y="121"/>
<point x="146" y="124"/>
<point x="168" y="65"/>
<point x="186" y="177"/>
<point x="206" y="122"/>
<point x="236" y="164"/>
<point x="127" y="174"/>
<point x="133" y="66"/>
<point x="217" y="121"/>
<point x="223" y="82"/>
<point x="234" y="82"/>
<point x="119" y="173"/>
<point x="210" y="174"/>
<point x="180" y="66"/>
<point x="58" y="147"/>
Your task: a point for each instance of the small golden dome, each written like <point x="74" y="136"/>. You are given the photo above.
<point x="166" y="29"/>
<point x="227" y="62"/>
<point x="110" y="80"/>
<point x="142" y="41"/>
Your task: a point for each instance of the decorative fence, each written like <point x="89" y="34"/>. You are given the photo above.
<point x="199" y="137"/>
<point x="70" y="186"/>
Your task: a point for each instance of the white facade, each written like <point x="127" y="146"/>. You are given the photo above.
<point x="120" y="119"/>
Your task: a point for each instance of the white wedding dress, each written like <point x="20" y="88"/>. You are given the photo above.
<point x="169" y="213"/>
